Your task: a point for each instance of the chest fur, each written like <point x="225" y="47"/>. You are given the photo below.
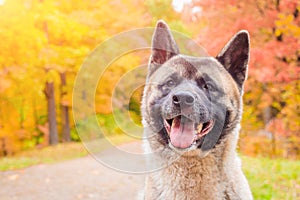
<point x="188" y="178"/>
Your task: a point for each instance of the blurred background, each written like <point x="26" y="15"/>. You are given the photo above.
<point x="44" y="42"/>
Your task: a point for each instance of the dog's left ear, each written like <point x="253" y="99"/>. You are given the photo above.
<point x="163" y="46"/>
<point x="235" y="56"/>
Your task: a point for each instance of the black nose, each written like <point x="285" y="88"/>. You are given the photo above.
<point x="183" y="99"/>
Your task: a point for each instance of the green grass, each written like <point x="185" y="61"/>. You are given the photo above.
<point x="269" y="179"/>
<point x="49" y="154"/>
<point x="53" y="154"/>
<point x="272" y="178"/>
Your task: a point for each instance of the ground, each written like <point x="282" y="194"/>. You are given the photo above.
<point x="85" y="178"/>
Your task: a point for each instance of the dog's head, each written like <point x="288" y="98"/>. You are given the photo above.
<point x="193" y="102"/>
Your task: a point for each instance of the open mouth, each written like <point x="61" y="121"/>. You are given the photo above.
<point x="183" y="132"/>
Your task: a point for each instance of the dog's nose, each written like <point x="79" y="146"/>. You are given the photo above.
<point x="183" y="99"/>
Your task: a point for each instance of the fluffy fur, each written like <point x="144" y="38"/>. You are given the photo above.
<point x="210" y="168"/>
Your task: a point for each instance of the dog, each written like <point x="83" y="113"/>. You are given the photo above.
<point x="191" y="111"/>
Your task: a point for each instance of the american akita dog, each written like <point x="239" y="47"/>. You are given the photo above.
<point x="191" y="111"/>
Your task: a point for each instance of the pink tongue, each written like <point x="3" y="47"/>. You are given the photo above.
<point x="182" y="132"/>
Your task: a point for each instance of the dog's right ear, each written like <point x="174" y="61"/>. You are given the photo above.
<point x="163" y="46"/>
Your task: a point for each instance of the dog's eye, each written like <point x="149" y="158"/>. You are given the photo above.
<point x="207" y="86"/>
<point x="170" y="83"/>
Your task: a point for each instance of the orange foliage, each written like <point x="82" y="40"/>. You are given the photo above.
<point x="42" y="39"/>
<point x="272" y="91"/>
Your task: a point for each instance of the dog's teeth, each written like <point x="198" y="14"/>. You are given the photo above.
<point x="199" y="128"/>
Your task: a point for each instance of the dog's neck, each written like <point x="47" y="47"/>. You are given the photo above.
<point x="190" y="173"/>
<point x="189" y="176"/>
<point x="217" y="176"/>
<point x="192" y="163"/>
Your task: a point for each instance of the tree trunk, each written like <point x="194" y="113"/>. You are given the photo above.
<point x="64" y="109"/>
<point x="3" y="147"/>
<point x="49" y="92"/>
<point x="267" y="115"/>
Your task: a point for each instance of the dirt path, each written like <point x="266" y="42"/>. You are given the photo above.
<point x="82" y="178"/>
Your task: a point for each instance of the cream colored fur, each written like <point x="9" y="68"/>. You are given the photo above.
<point x="195" y="175"/>
<point x="217" y="176"/>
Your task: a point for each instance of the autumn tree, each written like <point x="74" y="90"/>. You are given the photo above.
<point x="272" y="90"/>
<point x="45" y="43"/>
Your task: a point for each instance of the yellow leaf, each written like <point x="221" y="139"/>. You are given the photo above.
<point x="278" y="32"/>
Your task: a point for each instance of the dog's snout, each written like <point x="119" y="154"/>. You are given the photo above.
<point x="183" y="99"/>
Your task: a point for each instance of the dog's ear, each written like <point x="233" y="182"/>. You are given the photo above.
<point x="235" y="55"/>
<point x="163" y="46"/>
